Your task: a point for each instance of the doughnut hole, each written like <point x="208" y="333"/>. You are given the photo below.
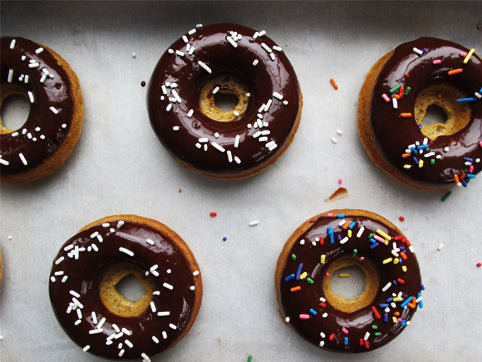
<point x="116" y="302"/>
<point x="15" y="108"/>
<point x="224" y="98"/>
<point x="438" y="113"/>
<point x="360" y="299"/>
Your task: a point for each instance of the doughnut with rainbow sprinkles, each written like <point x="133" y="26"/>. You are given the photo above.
<point x="332" y="241"/>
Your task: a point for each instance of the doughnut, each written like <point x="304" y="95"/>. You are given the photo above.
<point x="224" y="60"/>
<point x="419" y="77"/>
<point x="101" y="320"/>
<point x="334" y="240"/>
<point x="54" y="123"/>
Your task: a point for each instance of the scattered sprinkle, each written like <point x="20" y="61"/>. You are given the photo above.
<point x="333" y="83"/>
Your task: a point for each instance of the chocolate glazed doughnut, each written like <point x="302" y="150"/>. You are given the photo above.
<point x="398" y="91"/>
<point x="224" y="59"/>
<point x="333" y="240"/>
<point x="54" y="123"/>
<point x="101" y="320"/>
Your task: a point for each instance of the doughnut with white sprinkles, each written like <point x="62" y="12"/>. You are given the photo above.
<point x="329" y="242"/>
<point x="216" y="60"/>
<point x="48" y="136"/>
<point x="101" y="320"/>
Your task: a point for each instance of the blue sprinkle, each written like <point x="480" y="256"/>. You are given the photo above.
<point x="413" y="150"/>
<point x="415" y="159"/>
<point x="471" y="99"/>
<point x="383" y="305"/>
<point x="341" y="216"/>
<point x="464" y="183"/>
<point x="346" y="341"/>
<point x="404" y="322"/>
<point x="424" y="50"/>
<point x="422" y="287"/>
<point x="339" y="237"/>
<point x="420" y="304"/>
<point x="389" y="300"/>
<point x="352" y="225"/>
<point x="373" y="241"/>
<point x="298" y="272"/>
<point x="406" y="301"/>
<point x="421" y="147"/>
<point x="289" y="277"/>
<point x="468" y="159"/>
<point x="394" y="282"/>
<point x="385" y="317"/>
<point x="373" y="246"/>
<point x="312" y="311"/>
<point x="420" y="126"/>
<point x="225" y="238"/>
<point x="330" y="233"/>
<point x="470" y="175"/>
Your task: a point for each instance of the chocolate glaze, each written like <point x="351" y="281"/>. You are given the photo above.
<point x="359" y="322"/>
<point x="44" y="131"/>
<point x="268" y="76"/>
<point x="83" y="276"/>
<point x="393" y="133"/>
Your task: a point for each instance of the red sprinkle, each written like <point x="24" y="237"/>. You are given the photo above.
<point x="213" y="214"/>
<point x="401" y="281"/>
<point x="401" y="218"/>
<point x="377" y="315"/>
<point x="479" y="265"/>
<point x="331" y="337"/>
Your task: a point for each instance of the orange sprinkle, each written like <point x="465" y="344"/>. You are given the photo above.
<point x="412" y="305"/>
<point x="403" y="255"/>
<point x="347" y="224"/>
<point x="456" y="178"/>
<point x="397" y="96"/>
<point x="333" y="83"/>
<point x="405" y="155"/>
<point x="439" y="95"/>
<point x="397" y="313"/>
<point x="405" y="114"/>
<point x="295" y="289"/>
<point x="455" y="71"/>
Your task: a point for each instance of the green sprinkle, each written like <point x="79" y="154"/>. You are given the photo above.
<point x="378" y="334"/>
<point x="394" y="89"/>
<point x="432" y="161"/>
<point x="355" y="252"/>
<point x="407" y="90"/>
<point x="293" y="257"/>
<point x="374" y="326"/>
<point x="370" y="236"/>
<point x="309" y="280"/>
<point x="250" y="358"/>
<point x="446" y="196"/>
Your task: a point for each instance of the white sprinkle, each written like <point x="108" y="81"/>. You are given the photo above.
<point x="121" y="352"/>
<point x="164" y="334"/>
<point x="164" y="314"/>
<point x="333" y="140"/>
<point x="236" y="113"/>
<point x="263" y="139"/>
<point x="155" y="339"/>
<point x="344" y="240"/>
<point x="30" y="96"/>
<point x="385" y="288"/>
<point x="178" y="52"/>
<point x="74" y="293"/>
<point x="417" y="51"/>
<point x="172" y="326"/>
<point x="4" y="162"/>
<point x="175" y="128"/>
<point x="272" y="56"/>
<point x="39" y="50"/>
<point x="126" y="251"/>
<point x="236" y="141"/>
<point x="170" y="51"/>
<point x="478" y="95"/>
<point x="116" y="328"/>
<point x="176" y="95"/>
<point x="191" y="50"/>
<point x="230" y="156"/>
<point x="23" y="57"/>
<point x="150" y="242"/>
<point x="86" y="348"/>
<point x="285" y="102"/>
<point x="153" y="306"/>
<point x="169" y="107"/>
<point x="324" y="315"/>
<point x="339" y="132"/>
<point x="168" y="286"/>
<point x="322" y="343"/>
<point x="367" y="335"/>
<point x="267" y="48"/>
<point x="192" y="287"/>
<point x="195" y="273"/>
<point x="217" y="146"/>
<point x="12" y="43"/>
<point x="271" y="145"/>
<point x="52" y="279"/>
<point x="191" y="32"/>
<point x="277" y="48"/>
<point x="10" y="76"/>
<point x="215" y="90"/>
<point x="277" y="95"/>
<point x="203" y="140"/>
<point x="440" y="246"/>
<point x="268" y="104"/>
<point x="255" y="62"/>
<point x="79" y="313"/>
<point x="257" y="134"/>
<point x="231" y="41"/>
<point x="185" y="39"/>
<point x="198" y="145"/>
<point x="190" y="113"/>
<point x="360" y="232"/>
<point x="128" y="343"/>
<point x="287" y="319"/>
<point x="134" y="55"/>
<point x="425" y="141"/>
<point x="237" y="160"/>
<point x="253" y="223"/>
<point x="394" y="103"/>
<point x="59" y="260"/>
<point x="64" y="279"/>
<point x="204" y="66"/>
<point x="95" y="331"/>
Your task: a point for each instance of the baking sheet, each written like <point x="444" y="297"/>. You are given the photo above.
<point x="118" y="166"/>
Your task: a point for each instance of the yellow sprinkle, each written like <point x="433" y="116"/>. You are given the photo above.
<point x="404" y="268"/>
<point x="397" y="299"/>
<point x="384" y="235"/>
<point x="420" y="163"/>
<point x="349" y="233"/>
<point x="394" y="320"/>
<point x="407" y="166"/>
<point x="322" y="259"/>
<point x="395" y="261"/>
<point x="469" y="54"/>
<point x="303" y="275"/>
<point x="387" y="260"/>
<point x="344" y="275"/>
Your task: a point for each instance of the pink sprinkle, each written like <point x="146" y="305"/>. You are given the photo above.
<point x="399" y="319"/>
<point x="480" y="143"/>
<point x="471" y="168"/>
<point x="385" y="97"/>
<point x="304" y="316"/>
<point x="344" y="330"/>
<point x="362" y="258"/>
<point x="437" y="61"/>
<point x="379" y="238"/>
<point x="327" y="275"/>
<point x="330" y="214"/>
<point x="340" y="181"/>
<point x="463" y="54"/>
